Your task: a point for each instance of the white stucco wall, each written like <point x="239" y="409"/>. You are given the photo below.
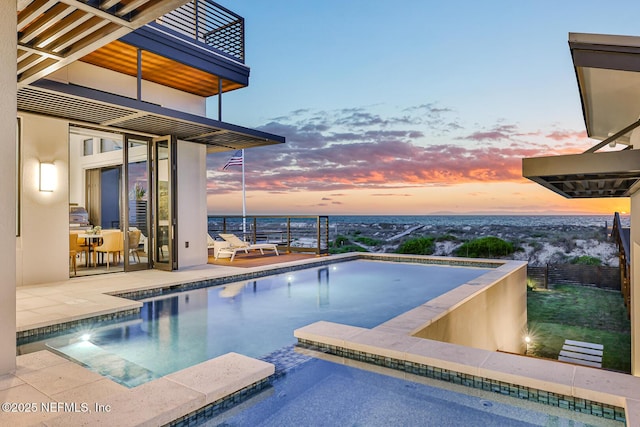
<point x="8" y="186"/>
<point x="635" y="284"/>
<point x="88" y="75"/>
<point x="494" y="319"/>
<point x="192" y="204"/>
<point x="43" y="245"/>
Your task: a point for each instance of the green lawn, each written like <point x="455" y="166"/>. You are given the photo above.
<point x="583" y="314"/>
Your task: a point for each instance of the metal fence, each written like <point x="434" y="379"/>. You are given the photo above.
<point x="298" y="233"/>
<point x="209" y="23"/>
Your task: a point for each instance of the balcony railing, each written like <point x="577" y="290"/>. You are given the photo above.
<point x="209" y="23"/>
<point x="298" y="233"/>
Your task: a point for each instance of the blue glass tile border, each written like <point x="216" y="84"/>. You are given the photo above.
<point x="36" y="334"/>
<point x="211" y="410"/>
<point x="571" y="403"/>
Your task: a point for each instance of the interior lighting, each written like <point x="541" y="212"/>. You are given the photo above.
<point x="48" y="177"/>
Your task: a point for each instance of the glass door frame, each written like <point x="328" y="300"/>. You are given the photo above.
<point x="164" y="206"/>
<point x="125" y="202"/>
<point x="169" y="204"/>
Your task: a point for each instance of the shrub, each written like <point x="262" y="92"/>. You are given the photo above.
<point x="341" y="241"/>
<point x="586" y="260"/>
<point x="367" y="241"/>
<point x="342" y="245"/>
<point x="447" y="238"/>
<point x="418" y="246"/>
<point x="346" y="248"/>
<point x="485" y="247"/>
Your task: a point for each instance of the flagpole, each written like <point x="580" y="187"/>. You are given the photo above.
<point x="244" y="201"/>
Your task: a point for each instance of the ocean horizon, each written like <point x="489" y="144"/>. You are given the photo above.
<point x="461" y="220"/>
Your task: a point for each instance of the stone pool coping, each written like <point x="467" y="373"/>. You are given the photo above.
<point x="411" y="353"/>
<point x="47" y="381"/>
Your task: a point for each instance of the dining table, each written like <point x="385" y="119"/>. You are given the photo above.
<point x="92" y="240"/>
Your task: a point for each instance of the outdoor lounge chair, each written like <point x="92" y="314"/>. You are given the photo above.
<point x="236" y="245"/>
<point x="211" y="243"/>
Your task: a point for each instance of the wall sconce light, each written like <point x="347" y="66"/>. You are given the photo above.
<point x="48" y="177"/>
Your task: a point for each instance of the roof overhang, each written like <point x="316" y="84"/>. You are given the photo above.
<point x="587" y="175"/>
<point x="608" y="72"/>
<point x="195" y="67"/>
<point x="92" y="107"/>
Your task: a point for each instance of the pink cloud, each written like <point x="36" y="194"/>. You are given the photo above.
<point x="353" y="148"/>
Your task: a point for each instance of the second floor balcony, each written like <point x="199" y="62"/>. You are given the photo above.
<point x="208" y="23"/>
<point x="196" y="46"/>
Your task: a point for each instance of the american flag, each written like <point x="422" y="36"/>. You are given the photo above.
<point x="235" y="160"/>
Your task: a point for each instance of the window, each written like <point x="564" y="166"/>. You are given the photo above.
<point x="88" y="147"/>
<point x="107" y="145"/>
<point x="134" y="143"/>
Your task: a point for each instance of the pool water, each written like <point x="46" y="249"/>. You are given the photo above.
<point x="255" y="317"/>
<point x="324" y="393"/>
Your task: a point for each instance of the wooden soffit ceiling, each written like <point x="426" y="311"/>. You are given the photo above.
<point x="122" y="57"/>
<point x="54" y="33"/>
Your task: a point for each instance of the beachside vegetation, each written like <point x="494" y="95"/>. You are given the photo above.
<point x="447" y="238"/>
<point x="485" y="247"/>
<point x="582" y="314"/>
<point x="342" y="244"/>
<point x="586" y="260"/>
<point x="368" y="241"/>
<point x="418" y="246"/>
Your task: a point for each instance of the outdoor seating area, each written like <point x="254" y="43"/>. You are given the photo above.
<point x="234" y="245"/>
<point x="98" y="252"/>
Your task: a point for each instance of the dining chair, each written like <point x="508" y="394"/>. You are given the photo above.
<point x="112" y="244"/>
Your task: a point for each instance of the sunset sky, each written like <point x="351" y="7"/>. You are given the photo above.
<point x="409" y="107"/>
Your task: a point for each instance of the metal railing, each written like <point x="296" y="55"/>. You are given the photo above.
<point x="297" y="233"/>
<point x="209" y="23"/>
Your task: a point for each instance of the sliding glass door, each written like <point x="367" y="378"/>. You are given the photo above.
<point x="164" y="208"/>
<point x="149" y="203"/>
<point x="137" y="203"/>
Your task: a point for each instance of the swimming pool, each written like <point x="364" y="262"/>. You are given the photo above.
<point x="255" y="317"/>
<point x="325" y="392"/>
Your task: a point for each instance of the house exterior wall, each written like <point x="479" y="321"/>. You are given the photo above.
<point x="8" y="107"/>
<point x="635" y="284"/>
<point x="41" y="249"/>
<point x="43" y="244"/>
<point x="91" y="76"/>
<point x="192" y="204"/>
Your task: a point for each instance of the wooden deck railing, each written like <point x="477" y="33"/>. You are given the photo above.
<point x="623" y="239"/>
